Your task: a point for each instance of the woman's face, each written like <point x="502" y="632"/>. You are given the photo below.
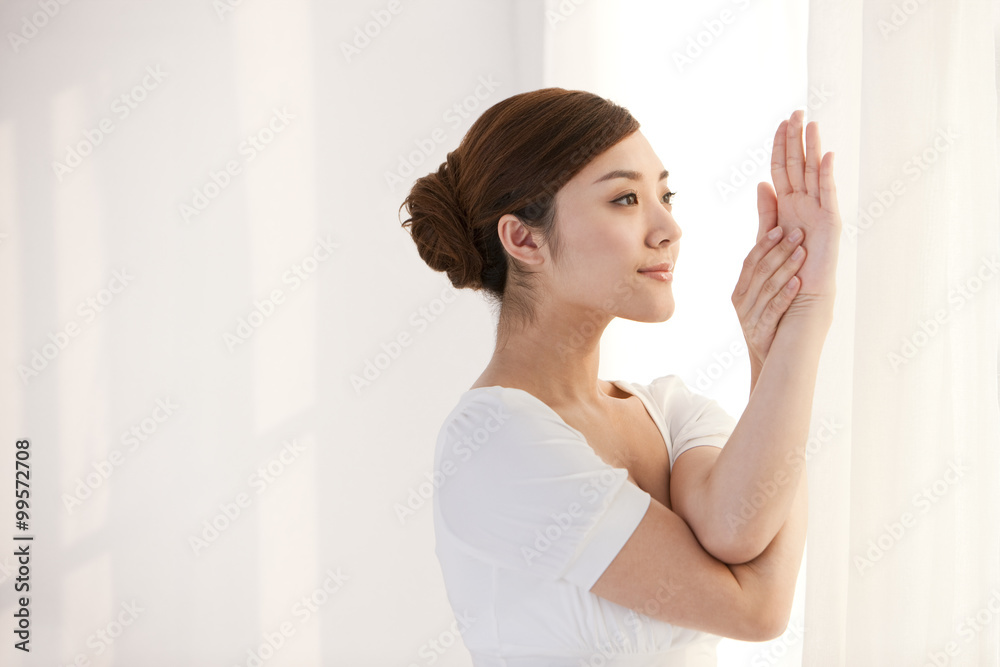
<point x="610" y="227"/>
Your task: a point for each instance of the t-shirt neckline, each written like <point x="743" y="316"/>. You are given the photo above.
<point x="628" y="387"/>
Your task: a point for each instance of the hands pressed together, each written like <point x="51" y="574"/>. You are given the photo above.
<point x="791" y="271"/>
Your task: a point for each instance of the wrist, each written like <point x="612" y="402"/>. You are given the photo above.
<point x="802" y="337"/>
<point x="813" y="307"/>
<point x="814" y="316"/>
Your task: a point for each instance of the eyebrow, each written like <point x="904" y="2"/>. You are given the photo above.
<point x="631" y="175"/>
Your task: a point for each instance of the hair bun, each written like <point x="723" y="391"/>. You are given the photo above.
<point x="440" y="225"/>
<point x="512" y="161"/>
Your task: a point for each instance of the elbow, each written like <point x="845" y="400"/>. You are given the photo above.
<point x="733" y="548"/>
<point x="772" y="625"/>
<point x="761" y="621"/>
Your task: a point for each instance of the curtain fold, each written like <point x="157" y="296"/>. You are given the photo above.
<point x="904" y="525"/>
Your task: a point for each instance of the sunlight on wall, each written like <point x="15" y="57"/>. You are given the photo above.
<point x="77" y="262"/>
<point x="273" y="52"/>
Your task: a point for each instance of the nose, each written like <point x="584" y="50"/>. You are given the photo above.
<point x="663" y="227"/>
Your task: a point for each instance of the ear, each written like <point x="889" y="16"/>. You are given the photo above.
<point x="519" y="240"/>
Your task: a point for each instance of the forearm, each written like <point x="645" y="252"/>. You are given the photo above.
<point x="750" y="488"/>
<point x="769" y="579"/>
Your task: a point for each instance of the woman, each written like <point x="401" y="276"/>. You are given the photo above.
<point x="585" y="522"/>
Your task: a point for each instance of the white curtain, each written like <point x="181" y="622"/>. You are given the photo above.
<point x="904" y="533"/>
<point x="903" y="555"/>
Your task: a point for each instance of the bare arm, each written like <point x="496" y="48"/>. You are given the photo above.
<point x="736" y="499"/>
<point x="664" y="573"/>
<point x="755" y="368"/>
<point x="771" y="576"/>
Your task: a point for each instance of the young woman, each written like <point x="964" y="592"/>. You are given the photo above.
<point x="580" y="521"/>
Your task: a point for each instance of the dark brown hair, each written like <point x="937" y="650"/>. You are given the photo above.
<point x="513" y="159"/>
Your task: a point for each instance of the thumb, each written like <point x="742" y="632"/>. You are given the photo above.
<point x="767" y="209"/>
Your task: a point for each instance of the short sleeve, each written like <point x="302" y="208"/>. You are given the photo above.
<point x="693" y="419"/>
<point x="526" y="492"/>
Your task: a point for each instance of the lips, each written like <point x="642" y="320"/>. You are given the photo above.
<point x="666" y="266"/>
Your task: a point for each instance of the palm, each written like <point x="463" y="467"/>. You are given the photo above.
<point x="804" y="197"/>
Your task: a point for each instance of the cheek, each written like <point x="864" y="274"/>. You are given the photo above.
<point x="610" y="253"/>
<point x="597" y="255"/>
<point x="599" y="267"/>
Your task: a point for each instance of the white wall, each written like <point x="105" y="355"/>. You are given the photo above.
<point x="340" y="458"/>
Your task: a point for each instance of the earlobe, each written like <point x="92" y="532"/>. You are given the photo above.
<point x="518" y="240"/>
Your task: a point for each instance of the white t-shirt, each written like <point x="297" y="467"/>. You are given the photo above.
<point x="527" y="517"/>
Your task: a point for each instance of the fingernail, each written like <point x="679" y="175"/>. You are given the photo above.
<point x="795" y="235"/>
<point x="774" y="233"/>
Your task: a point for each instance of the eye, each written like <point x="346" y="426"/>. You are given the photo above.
<point x="668" y="195"/>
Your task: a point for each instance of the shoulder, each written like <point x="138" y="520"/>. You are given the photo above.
<point x="670" y="387"/>
<point x="682" y="404"/>
<point x="668" y="392"/>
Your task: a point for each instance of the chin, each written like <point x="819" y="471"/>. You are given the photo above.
<point x="665" y="314"/>
<point x="655" y="313"/>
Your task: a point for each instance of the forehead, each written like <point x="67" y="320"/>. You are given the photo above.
<point x="634" y="152"/>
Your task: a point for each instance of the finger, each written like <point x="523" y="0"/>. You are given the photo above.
<point x="779" y="173"/>
<point x="812" y="159"/>
<point x="776" y="307"/>
<point x="756" y="254"/>
<point x="767" y="209"/>
<point x="765" y="326"/>
<point x="793" y="152"/>
<point x="787" y="259"/>
<point x="828" y="189"/>
<point x="764" y="259"/>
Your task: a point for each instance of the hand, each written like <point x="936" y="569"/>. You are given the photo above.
<point x="804" y="197"/>
<point x="767" y="285"/>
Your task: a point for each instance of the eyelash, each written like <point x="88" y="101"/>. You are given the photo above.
<point x="668" y="194"/>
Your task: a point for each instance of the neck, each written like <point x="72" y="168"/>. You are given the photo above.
<point x="556" y="357"/>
